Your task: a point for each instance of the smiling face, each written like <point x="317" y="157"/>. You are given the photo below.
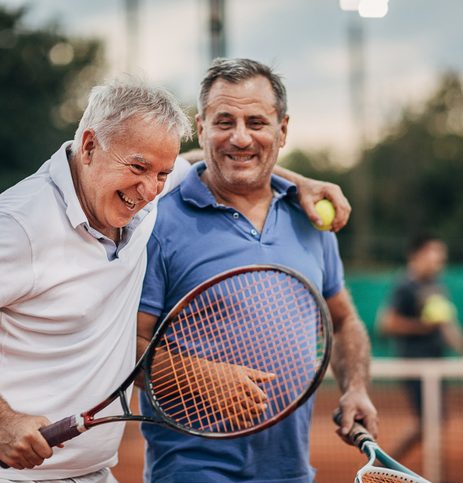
<point x="241" y="134"/>
<point x="114" y="184"/>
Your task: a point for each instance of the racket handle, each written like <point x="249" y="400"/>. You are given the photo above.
<point x="62" y="431"/>
<point x="58" y="432"/>
<point x="358" y="433"/>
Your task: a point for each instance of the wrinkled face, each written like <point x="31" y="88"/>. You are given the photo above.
<point x="431" y="259"/>
<point x="116" y="183"/>
<point x="241" y="134"/>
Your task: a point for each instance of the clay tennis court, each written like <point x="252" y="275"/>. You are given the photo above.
<point x="335" y="461"/>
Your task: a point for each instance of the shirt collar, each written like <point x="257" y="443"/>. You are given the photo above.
<point x="194" y="191"/>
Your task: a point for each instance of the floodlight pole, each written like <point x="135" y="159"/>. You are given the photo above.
<point x="361" y="189"/>
<point x="132" y="28"/>
<point x="217" y="35"/>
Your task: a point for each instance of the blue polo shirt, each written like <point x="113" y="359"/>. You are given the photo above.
<point x="194" y="239"/>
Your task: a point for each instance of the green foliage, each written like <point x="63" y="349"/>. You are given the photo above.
<point x="44" y="80"/>
<point x="408" y="182"/>
<point x="417" y="169"/>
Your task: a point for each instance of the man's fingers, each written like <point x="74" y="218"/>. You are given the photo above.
<point x="259" y="376"/>
<point x="371" y="423"/>
<point x="341" y="205"/>
<point x="27" y="447"/>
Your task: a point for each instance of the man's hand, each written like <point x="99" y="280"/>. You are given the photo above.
<point x="357" y="406"/>
<point x="21" y="444"/>
<point x="311" y="190"/>
<point x="230" y="390"/>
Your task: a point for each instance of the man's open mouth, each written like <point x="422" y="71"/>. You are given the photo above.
<point x="128" y="202"/>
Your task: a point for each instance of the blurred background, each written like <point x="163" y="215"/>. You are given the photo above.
<point x="376" y="105"/>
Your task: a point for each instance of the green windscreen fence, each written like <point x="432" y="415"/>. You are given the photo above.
<point x="371" y="290"/>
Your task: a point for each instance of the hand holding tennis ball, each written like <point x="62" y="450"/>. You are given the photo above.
<point x="326" y="212"/>
<point x="438" y="310"/>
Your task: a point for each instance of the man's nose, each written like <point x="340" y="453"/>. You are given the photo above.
<point x="149" y="188"/>
<point x="241" y="136"/>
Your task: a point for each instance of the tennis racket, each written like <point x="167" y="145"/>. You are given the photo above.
<point x="235" y="355"/>
<point x="391" y="472"/>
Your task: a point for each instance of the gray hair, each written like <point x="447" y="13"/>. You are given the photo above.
<point x="111" y="104"/>
<point x="237" y="70"/>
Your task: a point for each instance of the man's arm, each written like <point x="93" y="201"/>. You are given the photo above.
<point x="350" y="363"/>
<point x="309" y="192"/>
<point x="21" y="444"/>
<point x="391" y="323"/>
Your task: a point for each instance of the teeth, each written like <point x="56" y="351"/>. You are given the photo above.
<point x="130" y="203"/>
<point x="241" y="158"/>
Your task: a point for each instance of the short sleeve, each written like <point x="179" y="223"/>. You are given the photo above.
<point x="333" y="279"/>
<point x="16" y="271"/>
<point x="404" y="300"/>
<point x="155" y="281"/>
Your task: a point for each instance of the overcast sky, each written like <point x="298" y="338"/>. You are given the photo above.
<point x="306" y="40"/>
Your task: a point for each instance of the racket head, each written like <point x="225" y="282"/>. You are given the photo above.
<point x="374" y="474"/>
<point x="264" y="317"/>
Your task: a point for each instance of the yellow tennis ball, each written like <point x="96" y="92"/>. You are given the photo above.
<point x="438" y="310"/>
<point x="326" y="212"/>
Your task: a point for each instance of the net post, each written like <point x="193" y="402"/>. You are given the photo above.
<point x="432" y="405"/>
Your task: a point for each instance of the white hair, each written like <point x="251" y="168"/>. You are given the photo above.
<point x="111" y="104"/>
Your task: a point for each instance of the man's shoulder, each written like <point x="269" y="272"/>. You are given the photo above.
<point x="171" y="210"/>
<point x="30" y="194"/>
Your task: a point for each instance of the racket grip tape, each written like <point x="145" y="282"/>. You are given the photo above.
<point x="358" y="433"/>
<point x="59" y="432"/>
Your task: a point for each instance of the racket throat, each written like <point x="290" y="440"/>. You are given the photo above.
<point x="82" y="423"/>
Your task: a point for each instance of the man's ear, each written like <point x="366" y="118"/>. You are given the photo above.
<point x="88" y="146"/>
<point x="283" y="130"/>
<point x="199" y="128"/>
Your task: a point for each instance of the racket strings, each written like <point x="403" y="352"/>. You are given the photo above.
<point x="206" y="332"/>
<point x="205" y="387"/>
<point x="384" y="476"/>
<point x="207" y="327"/>
<point x="265" y="321"/>
<point x="247" y="408"/>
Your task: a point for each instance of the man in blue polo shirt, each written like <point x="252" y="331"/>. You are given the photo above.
<point x="231" y="211"/>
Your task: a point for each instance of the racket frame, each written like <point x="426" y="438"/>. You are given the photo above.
<point x="162" y="328"/>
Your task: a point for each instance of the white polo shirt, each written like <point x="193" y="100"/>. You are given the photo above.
<point x="67" y="311"/>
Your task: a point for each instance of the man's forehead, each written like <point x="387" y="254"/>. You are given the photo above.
<point x="255" y="92"/>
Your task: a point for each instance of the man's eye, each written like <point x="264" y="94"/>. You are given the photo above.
<point x="137" y="168"/>
<point x="256" y="124"/>
<point x="162" y="176"/>
<point x="224" y="124"/>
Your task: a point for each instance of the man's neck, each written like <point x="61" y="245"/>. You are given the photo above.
<point x="254" y="204"/>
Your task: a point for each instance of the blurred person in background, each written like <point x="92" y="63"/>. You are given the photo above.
<point x="72" y="258"/>
<point x="236" y="213"/>
<point x="421" y="319"/>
